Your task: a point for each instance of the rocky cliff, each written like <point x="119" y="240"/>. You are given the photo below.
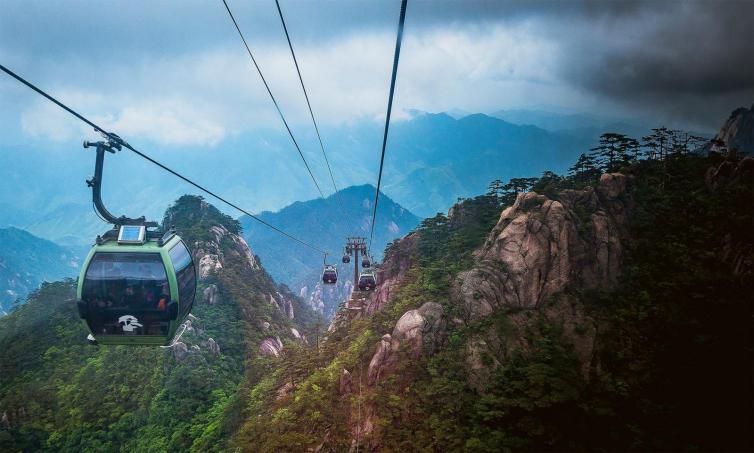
<point x="226" y="264"/>
<point x="736" y="134"/>
<point x="604" y="310"/>
<point x="325" y="299"/>
<point x="209" y="256"/>
<point x="540" y="246"/>
<point x="392" y="272"/>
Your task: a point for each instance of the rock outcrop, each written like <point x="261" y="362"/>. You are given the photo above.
<point x="271" y="347"/>
<point x="282" y="303"/>
<point x="284" y="391"/>
<point x="190" y="336"/>
<point x="210" y="294"/>
<point x="345" y="383"/>
<point x="736" y="245"/>
<point x="298" y="337"/>
<point x="737" y="133"/>
<point x="379" y="363"/>
<point x="210" y="255"/>
<point x="416" y="332"/>
<point x="729" y="171"/>
<point x="391" y="272"/>
<point x="540" y="246"/>
<point x="213" y="346"/>
<point x="180" y="351"/>
<point x="419" y="329"/>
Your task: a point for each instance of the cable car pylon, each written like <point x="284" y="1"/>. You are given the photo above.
<point x="364" y="281"/>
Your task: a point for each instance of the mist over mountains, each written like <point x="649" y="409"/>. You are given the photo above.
<point x="26" y="261"/>
<point x="432" y="159"/>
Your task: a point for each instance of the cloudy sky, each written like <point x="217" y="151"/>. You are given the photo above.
<point x="175" y="73"/>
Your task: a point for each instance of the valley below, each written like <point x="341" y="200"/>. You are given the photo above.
<point x="579" y="312"/>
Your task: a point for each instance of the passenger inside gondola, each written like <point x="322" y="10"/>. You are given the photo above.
<point x="367" y="282"/>
<point x="121" y="284"/>
<point x="330" y="275"/>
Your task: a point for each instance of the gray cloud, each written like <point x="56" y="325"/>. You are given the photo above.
<point x="693" y="62"/>
<point x="689" y="62"/>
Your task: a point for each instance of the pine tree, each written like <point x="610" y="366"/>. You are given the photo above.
<point x="607" y="153"/>
<point x="496" y="189"/>
<point x="628" y="149"/>
<point x="584" y="168"/>
<point x="658" y="144"/>
<point x="650" y="146"/>
<point x="516" y="185"/>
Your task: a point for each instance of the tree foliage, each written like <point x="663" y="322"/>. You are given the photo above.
<point x="674" y="365"/>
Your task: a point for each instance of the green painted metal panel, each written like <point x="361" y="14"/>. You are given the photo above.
<point x="151" y="246"/>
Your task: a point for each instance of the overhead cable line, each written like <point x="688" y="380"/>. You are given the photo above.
<point x="401" y="21"/>
<point x="274" y="101"/>
<point x="306" y="95"/>
<point x="341" y="206"/>
<point x="139" y="153"/>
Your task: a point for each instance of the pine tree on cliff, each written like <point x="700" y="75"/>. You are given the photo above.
<point x="628" y="149"/>
<point x="614" y="149"/>
<point x="517" y="185"/>
<point x="584" y="168"/>
<point x="658" y="144"/>
<point x="682" y="143"/>
<point x="436" y="230"/>
<point x="496" y="189"/>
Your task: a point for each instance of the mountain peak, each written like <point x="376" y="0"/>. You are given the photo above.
<point x="193" y="212"/>
<point x="325" y="224"/>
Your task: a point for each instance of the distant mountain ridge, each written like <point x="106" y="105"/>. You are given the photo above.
<point x="431" y="160"/>
<point x="435" y="159"/>
<point x="26" y="261"/>
<point x="553" y="121"/>
<point x="325" y="223"/>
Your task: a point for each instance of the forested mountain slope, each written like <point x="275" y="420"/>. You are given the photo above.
<point x="607" y="310"/>
<point x="26" y="261"/>
<point x="59" y="394"/>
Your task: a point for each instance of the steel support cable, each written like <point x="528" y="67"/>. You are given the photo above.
<point x="144" y="156"/>
<point x="311" y="112"/>
<point x="398" y="39"/>
<point x="274" y="101"/>
<point x="306" y="95"/>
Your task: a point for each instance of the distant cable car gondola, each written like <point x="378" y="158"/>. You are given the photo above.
<point x="346" y="256"/>
<point x="330" y="275"/>
<point x="367" y="281"/>
<point x="137" y="285"/>
<point x="365" y="262"/>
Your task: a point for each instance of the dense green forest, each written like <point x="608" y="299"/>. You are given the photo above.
<point x="59" y="394"/>
<point x="674" y="336"/>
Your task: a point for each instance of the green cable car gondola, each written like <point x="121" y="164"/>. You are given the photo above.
<point x="138" y="284"/>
